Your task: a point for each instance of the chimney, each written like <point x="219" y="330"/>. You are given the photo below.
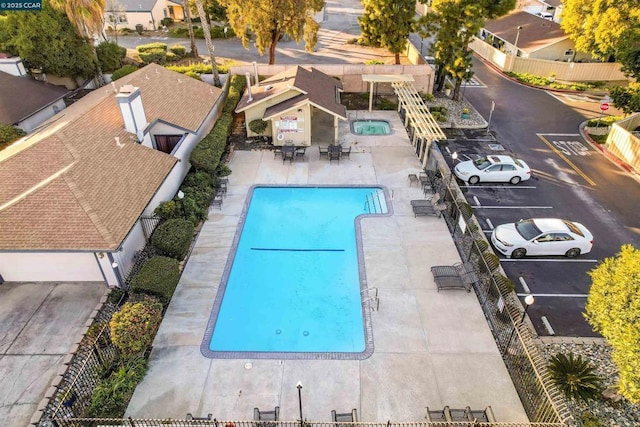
<point x="130" y="104"/>
<point x="12" y="65"/>
<point x="249" y="86"/>
<point x="255" y="72"/>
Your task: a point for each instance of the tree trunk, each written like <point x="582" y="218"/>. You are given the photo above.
<point x="456" y="90"/>
<point x="397" y="59"/>
<point x="207" y="38"/>
<point x="275" y="37"/>
<point x="192" y="37"/>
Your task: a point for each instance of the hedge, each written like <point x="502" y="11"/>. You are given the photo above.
<point x="158" y="277"/>
<point x="9" y="134"/>
<point x="127" y="69"/>
<point x="110" y="56"/>
<point x="134" y="327"/>
<point x="173" y="238"/>
<point x="151" y="46"/>
<point x="236" y="87"/>
<point x="157" y="56"/>
<point x="207" y="154"/>
<point x="200" y="68"/>
<point x="178" y="50"/>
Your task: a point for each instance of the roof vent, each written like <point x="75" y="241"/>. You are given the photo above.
<point x="269" y="87"/>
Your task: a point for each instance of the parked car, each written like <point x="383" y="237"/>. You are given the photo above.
<point x="493" y="169"/>
<point x="542" y="236"/>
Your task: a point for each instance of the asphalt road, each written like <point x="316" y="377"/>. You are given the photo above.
<point x="570" y="180"/>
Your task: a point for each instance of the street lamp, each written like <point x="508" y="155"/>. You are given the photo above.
<point x="515" y="45"/>
<point x="465" y="81"/>
<point x="299" y="387"/>
<point x="528" y="301"/>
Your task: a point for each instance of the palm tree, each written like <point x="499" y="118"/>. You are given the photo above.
<point x="207" y="38"/>
<point x="574" y="376"/>
<point x="192" y="37"/>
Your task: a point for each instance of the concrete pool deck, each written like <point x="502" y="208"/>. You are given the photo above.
<point x="431" y="348"/>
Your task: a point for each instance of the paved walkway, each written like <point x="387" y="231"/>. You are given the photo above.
<point x="431" y="349"/>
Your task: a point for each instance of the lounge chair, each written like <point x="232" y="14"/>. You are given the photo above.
<point x="334" y="152"/>
<point x="269" y="418"/>
<point x="440" y="416"/>
<point x="345" y="151"/>
<point x="432" y="206"/>
<point x="457" y="276"/>
<point x="324" y="151"/>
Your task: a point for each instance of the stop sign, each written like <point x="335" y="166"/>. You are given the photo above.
<point x="604" y="106"/>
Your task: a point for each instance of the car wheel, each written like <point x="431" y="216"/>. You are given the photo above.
<point x="474" y="180"/>
<point x="515" y="180"/>
<point x="519" y="253"/>
<point x="572" y="253"/>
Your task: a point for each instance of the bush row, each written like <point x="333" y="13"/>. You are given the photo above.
<point x="9" y="134"/>
<point x="158" y="54"/>
<point x="200" y="68"/>
<point x="217" y="32"/>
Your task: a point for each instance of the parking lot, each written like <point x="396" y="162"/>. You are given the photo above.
<point x="558" y="188"/>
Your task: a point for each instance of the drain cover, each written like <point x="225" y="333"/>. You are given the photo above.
<point x="496" y="147"/>
<point x="248" y="365"/>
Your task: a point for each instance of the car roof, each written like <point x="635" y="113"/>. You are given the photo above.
<point x="500" y="159"/>
<point x="547" y="225"/>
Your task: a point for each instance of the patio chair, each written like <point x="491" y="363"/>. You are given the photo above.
<point x="347" y="417"/>
<point x="345" y="151"/>
<point x="269" y="418"/>
<point x="277" y="152"/>
<point x="439" y="416"/>
<point x="413" y="179"/>
<point x="217" y="201"/>
<point x="457" y="276"/>
<point x="288" y="153"/>
<point x="300" y="152"/>
<point x="334" y="152"/>
<point x="324" y="151"/>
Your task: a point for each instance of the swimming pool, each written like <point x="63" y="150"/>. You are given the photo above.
<point x="370" y="127"/>
<point x="294" y="283"/>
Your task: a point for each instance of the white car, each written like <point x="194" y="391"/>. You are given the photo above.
<point x="493" y="169"/>
<point x="542" y="236"/>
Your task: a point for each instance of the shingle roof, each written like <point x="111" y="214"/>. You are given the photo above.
<point x="138" y="5"/>
<point x="536" y="32"/>
<point x="70" y="187"/>
<point x="20" y="97"/>
<point x="315" y="86"/>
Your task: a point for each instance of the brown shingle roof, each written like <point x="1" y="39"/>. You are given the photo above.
<point x="20" y="97"/>
<point x="71" y="187"/>
<point x="536" y="32"/>
<point x="319" y="88"/>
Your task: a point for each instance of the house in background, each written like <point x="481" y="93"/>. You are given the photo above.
<point x="175" y="9"/>
<point x="290" y="102"/>
<point x="74" y="194"/>
<point x="547" y="9"/>
<point x="25" y="102"/>
<point x="129" y="13"/>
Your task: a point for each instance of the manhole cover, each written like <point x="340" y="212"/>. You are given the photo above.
<point x="248" y="365"/>
<point x="496" y="147"/>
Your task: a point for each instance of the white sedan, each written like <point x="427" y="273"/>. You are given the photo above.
<point x="542" y="236"/>
<point x="493" y="169"/>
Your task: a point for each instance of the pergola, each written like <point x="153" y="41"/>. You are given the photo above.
<point x="417" y="118"/>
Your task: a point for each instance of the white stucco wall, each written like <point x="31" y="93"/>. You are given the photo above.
<point x="50" y="267"/>
<point x="41" y="116"/>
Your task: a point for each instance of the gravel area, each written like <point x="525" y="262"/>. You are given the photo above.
<point x="622" y="414"/>
<point x="455" y="108"/>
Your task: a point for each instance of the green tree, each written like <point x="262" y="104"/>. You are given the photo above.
<point x="606" y="29"/>
<point x="207" y="38"/>
<point x="387" y="23"/>
<point x="192" y="37"/>
<point x="454" y="23"/>
<point x="86" y="16"/>
<point x="46" y="40"/>
<point x="214" y="10"/>
<point x="270" y="20"/>
<point x="613" y="309"/>
<point x="626" y="98"/>
<point x="575" y="377"/>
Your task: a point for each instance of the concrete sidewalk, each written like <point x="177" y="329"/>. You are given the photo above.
<point x="431" y="349"/>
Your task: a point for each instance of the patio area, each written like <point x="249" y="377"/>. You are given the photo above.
<point x="431" y="348"/>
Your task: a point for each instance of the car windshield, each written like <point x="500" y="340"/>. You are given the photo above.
<point x="482" y="163"/>
<point x="573" y="228"/>
<point x="527" y="229"/>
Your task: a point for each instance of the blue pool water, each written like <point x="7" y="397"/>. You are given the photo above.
<point x="294" y="284"/>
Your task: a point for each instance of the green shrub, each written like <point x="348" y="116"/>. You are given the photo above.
<point x="111" y="397"/>
<point x="491" y="260"/>
<point x="110" y="56"/>
<point x="604" y="121"/>
<point x="590" y="420"/>
<point x="236" y="87"/>
<point x="157" y="277"/>
<point x="9" y="134"/>
<point x="427" y="97"/>
<point x="167" y="210"/>
<point x="166" y="22"/>
<point x="374" y="62"/>
<point x="207" y="154"/>
<point x="134" y="327"/>
<point x="574" y="377"/>
<point x="171" y="57"/>
<point x="199" y="68"/>
<point x="178" y="50"/>
<point x="179" y="32"/>
<point x="198" y="180"/>
<point x="258" y="126"/>
<point x="223" y="170"/>
<point x="466" y="210"/>
<point x="483" y="245"/>
<point x="193" y="75"/>
<point x="387" y="104"/>
<point x="156" y="56"/>
<point x="121" y="72"/>
<point x="152" y="47"/>
<point x="173" y="238"/>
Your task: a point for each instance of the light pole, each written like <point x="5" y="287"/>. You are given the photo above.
<point x="515" y="45"/>
<point x="528" y="301"/>
<point x="465" y="81"/>
<point x="299" y="387"/>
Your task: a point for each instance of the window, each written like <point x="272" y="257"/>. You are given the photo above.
<point x="562" y="237"/>
<point x="569" y="52"/>
<point x="167" y="143"/>
<point x="508" y="168"/>
<point x="494" y="168"/>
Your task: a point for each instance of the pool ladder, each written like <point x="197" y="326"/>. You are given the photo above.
<point x="372" y="300"/>
<point x="370" y="202"/>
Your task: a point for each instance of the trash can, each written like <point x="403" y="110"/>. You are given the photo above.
<point x="139" y="28"/>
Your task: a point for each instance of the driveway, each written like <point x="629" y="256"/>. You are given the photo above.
<point x="39" y="323"/>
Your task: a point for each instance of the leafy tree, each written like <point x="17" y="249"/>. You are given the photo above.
<point x="86" y="16"/>
<point x="626" y="98"/>
<point x="613" y="309"/>
<point x="207" y="39"/>
<point x="455" y="23"/>
<point x="192" y="37"/>
<point x="270" y="20"/>
<point x="46" y="40"/>
<point x="214" y="10"/>
<point x="605" y="28"/>
<point x="8" y="134"/>
<point x="110" y="55"/>
<point x="114" y="10"/>
<point x="574" y="377"/>
<point x="387" y="23"/>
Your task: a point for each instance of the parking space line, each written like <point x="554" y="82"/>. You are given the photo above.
<point x="569" y="162"/>
<point x="548" y="260"/>
<point x="509" y="187"/>
<point x="490" y="224"/>
<point x="547" y="325"/>
<point x="524" y="286"/>
<point x="513" y="207"/>
<point x="556" y="295"/>
<point x="475" y="199"/>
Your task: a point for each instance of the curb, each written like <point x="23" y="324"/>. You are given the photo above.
<point x="603" y="150"/>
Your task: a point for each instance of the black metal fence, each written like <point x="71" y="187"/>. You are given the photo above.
<point x="542" y="401"/>
<point x="170" y="422"/>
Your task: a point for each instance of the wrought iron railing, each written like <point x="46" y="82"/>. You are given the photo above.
<point x="170" y="422"/>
